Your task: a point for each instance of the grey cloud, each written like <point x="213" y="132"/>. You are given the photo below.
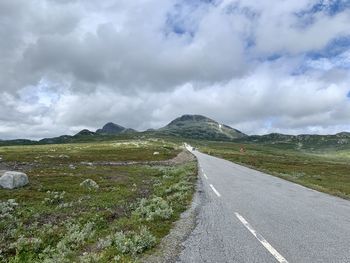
<point x="70" y="64"/>
<point x="112" y="58"/>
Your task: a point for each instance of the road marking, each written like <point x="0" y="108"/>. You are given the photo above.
<point x="215" y="191"/>
<point x="205" y="176"/>
<point x="262" y="240"/>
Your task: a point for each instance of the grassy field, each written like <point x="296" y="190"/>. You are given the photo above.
<point x="75" y="210"/>
<point x="324" y="170"/>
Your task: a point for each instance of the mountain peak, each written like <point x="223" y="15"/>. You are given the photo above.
<point x="200" y="127"/>
<point x="190" y="118"/>
<point x="111" y="125"/>
<point x="84" y="132"/>
<point x="194" y="117"/>
<point x="111" y="128"/>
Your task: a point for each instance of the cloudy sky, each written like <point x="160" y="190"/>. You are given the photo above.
<point x="259" y="66"/>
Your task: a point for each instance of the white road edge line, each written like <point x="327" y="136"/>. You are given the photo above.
<point x="205" y="176"/>
<point x="214" y="190"/>
<point x="262" y="240"/>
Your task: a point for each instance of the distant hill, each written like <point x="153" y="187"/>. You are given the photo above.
<point x="16" y="142"/>
<point x="303" y="141"/>
<point x="200" y="127"/>
<point x="108" y="129"/>
<point x="111" y="129"/>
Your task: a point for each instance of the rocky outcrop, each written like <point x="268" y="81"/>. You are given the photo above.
<point x="12" y="180"/>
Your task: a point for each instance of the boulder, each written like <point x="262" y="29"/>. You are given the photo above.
<point x="89" y="184"/>
<point x="11" y="179"/>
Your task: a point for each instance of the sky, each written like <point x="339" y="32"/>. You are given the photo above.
<point x="258" y="66"/>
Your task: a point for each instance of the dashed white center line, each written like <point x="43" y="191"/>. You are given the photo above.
<point x="214" y="190"/>
<point x="205" y="176"/>
<point x="262" y="240"/>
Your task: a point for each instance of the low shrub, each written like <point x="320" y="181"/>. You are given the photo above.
<point x="54" y="198"/>
<point x="152" y="209"/>
<point x="8" y="209"/>
<point x="24" y="244"/>
<point x="177" y="197"/>
<point x="90" y="258"/>
<point x="9" y="225"/>
<point x="130" y="242"/>
<point x="75" y="237"/>
<point x="182" y="187"/>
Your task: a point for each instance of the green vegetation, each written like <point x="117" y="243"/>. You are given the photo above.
<point x="324" y="170"/>
<point x="78" y="208"/>
<point x="118" y="150"/>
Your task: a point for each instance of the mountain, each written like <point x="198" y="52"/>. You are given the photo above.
<point x="111" y="129"/>
<point x="200" y="127"/>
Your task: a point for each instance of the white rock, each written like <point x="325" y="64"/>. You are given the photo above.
<point x="155" y="153"/>
<point x="90" y="184"/>
<point x="11" y="180"/>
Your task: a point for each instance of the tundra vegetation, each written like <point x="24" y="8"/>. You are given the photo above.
<point x="92" y="202"/>
<point x="324" y="168"/>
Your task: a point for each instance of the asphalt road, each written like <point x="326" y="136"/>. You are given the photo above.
<point x="248" y="216"/>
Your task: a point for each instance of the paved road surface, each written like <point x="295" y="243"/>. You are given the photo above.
<point x="248" y="216"/>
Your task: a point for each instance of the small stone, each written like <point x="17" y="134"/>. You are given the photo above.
<point x="156" y="153"/>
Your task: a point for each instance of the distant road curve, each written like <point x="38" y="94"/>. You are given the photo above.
<point x="248" y="216"/>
